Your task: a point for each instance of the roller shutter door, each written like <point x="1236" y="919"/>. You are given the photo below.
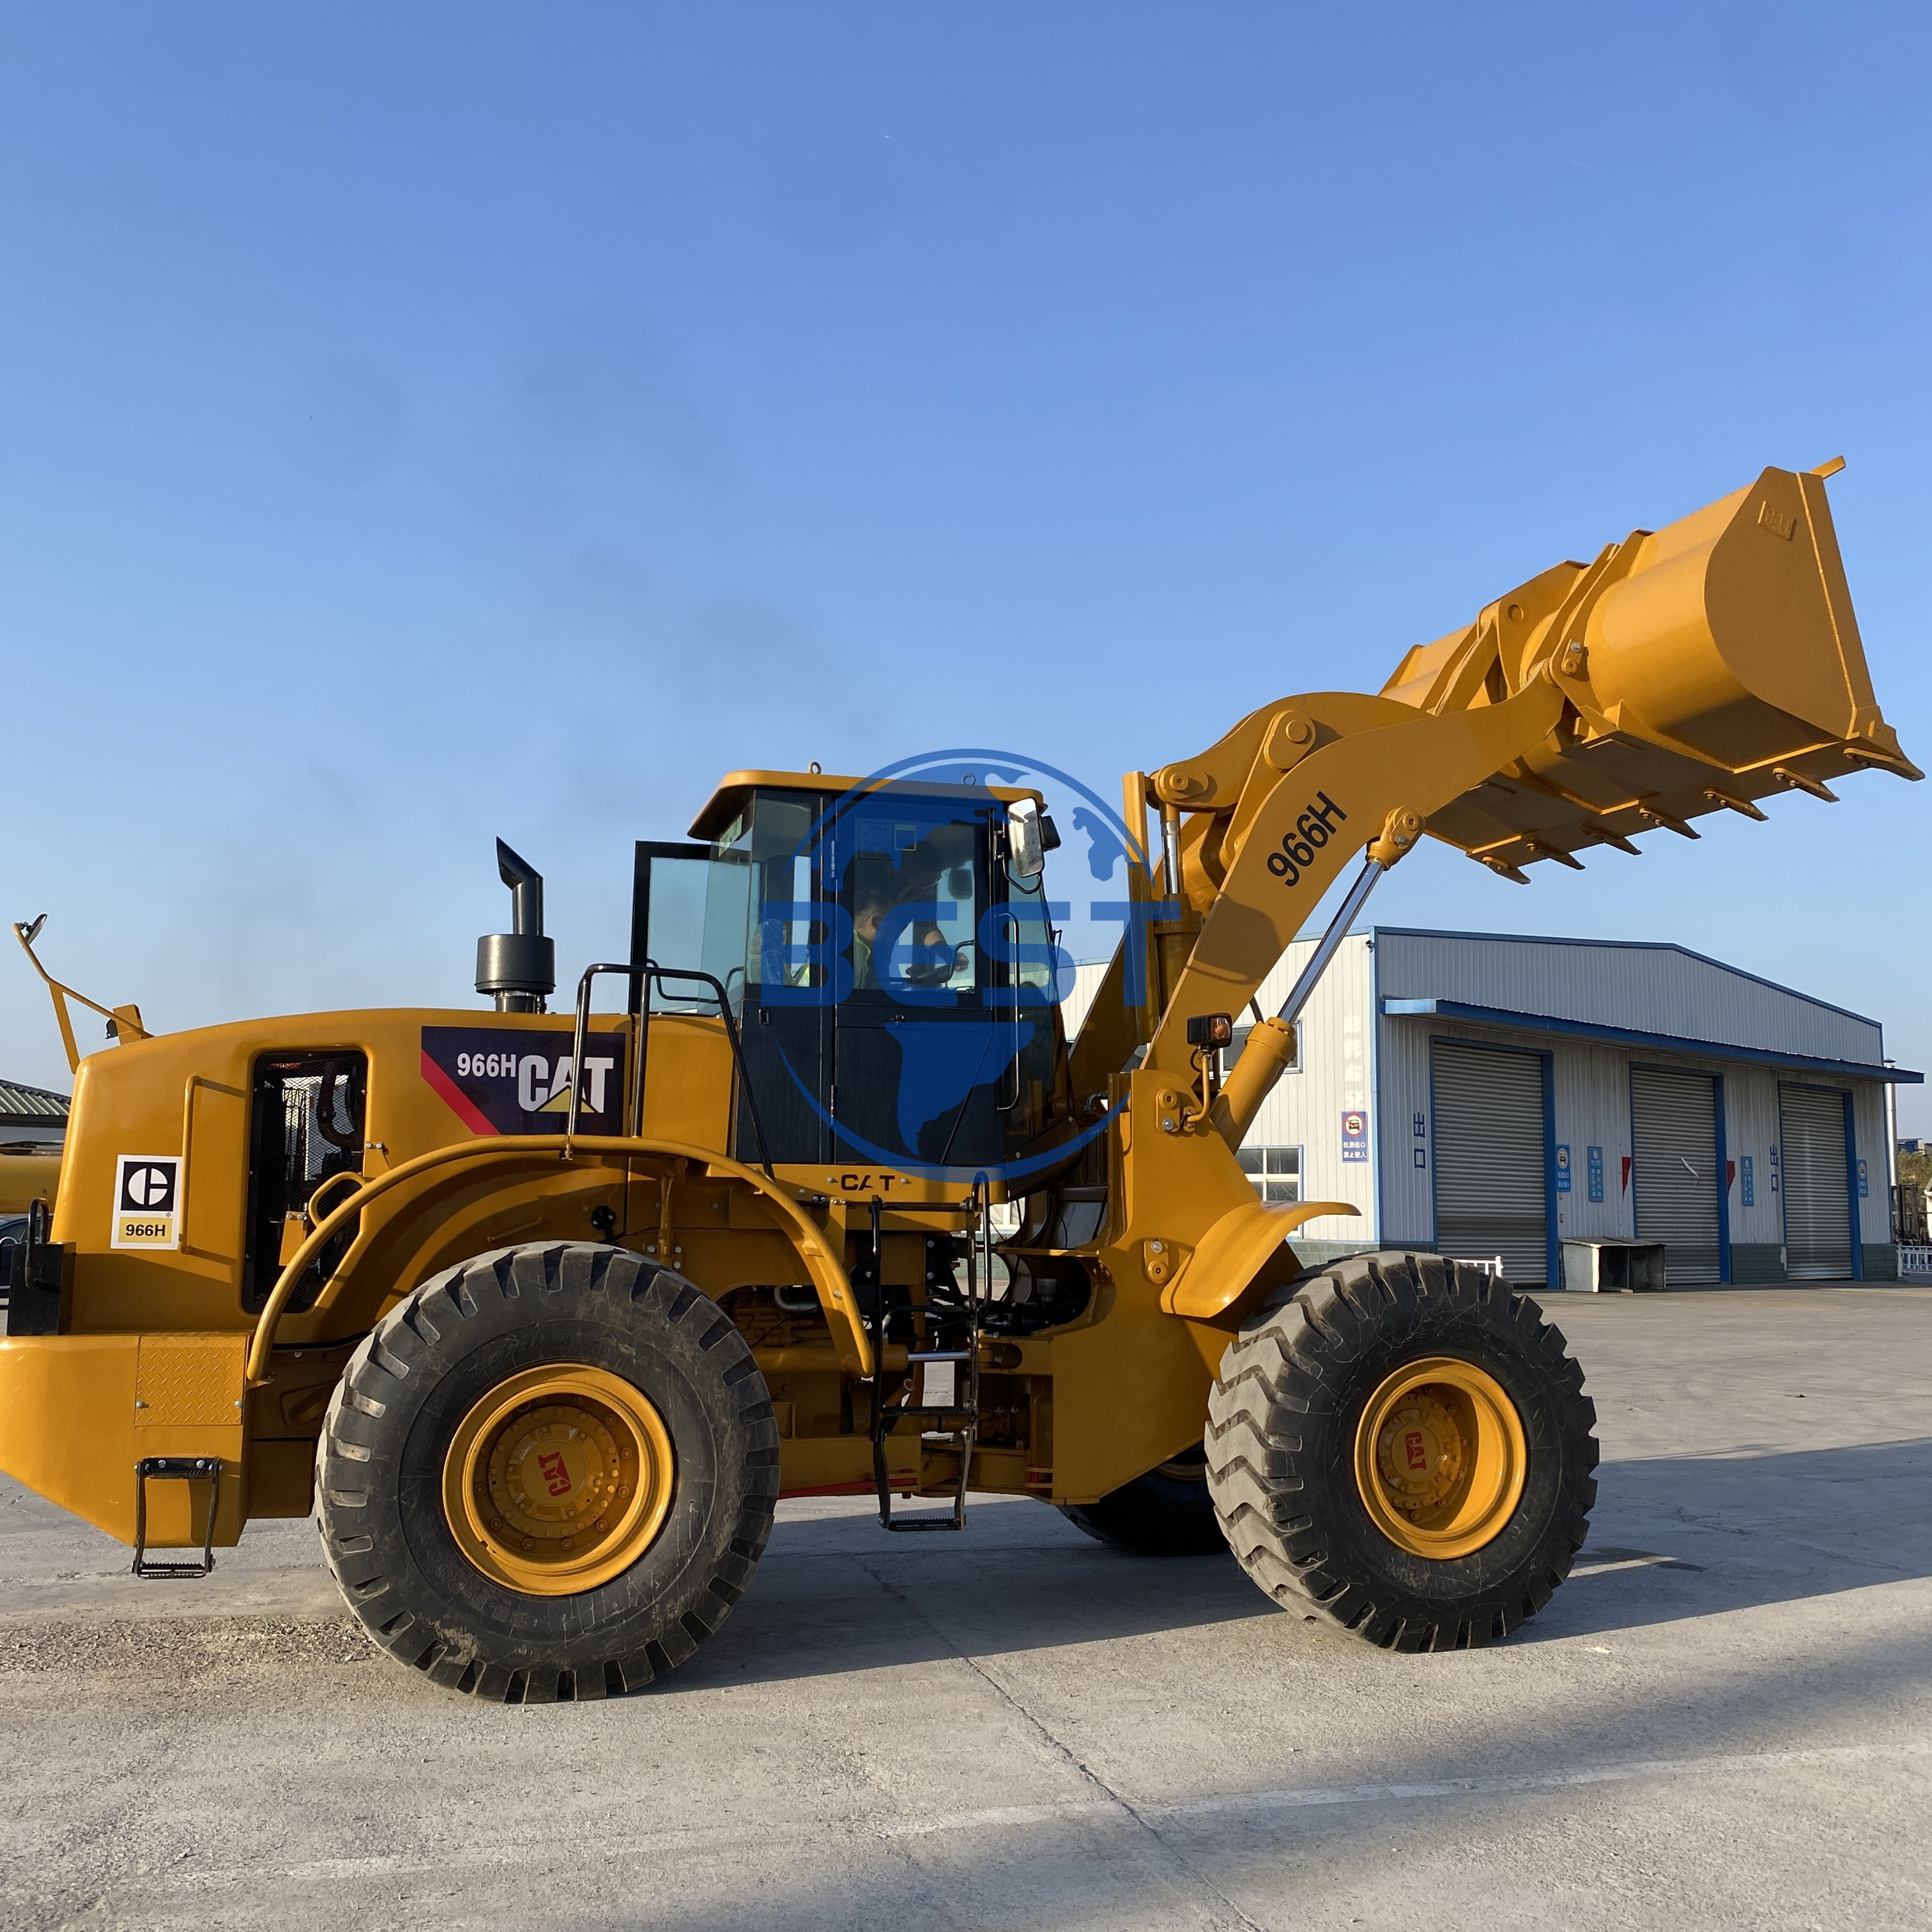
<point x="1674" y="1170"/>
<point x="1491" y="1187"/>
<point x="1817" y="1190"/>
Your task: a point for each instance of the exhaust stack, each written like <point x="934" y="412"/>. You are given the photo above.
<point x="518" y="969"/>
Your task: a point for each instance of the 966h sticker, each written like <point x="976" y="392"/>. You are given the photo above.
<point x="147" y="1201"/>
<point x="516" y="1080"/>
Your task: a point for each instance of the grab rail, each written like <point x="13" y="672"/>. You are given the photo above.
<point x="649" y="969"/>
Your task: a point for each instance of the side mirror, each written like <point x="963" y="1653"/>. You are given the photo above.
<point x="1026" y="850"/>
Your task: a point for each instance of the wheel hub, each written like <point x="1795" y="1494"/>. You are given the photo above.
<point x="1440" y="1457"/>
<point x="559" y="1479"/>
<point x="1419" y="1453"/>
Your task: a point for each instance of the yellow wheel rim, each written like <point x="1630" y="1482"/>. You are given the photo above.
<point x="559" y="1479"/>
<point x="1440" y="1457"/>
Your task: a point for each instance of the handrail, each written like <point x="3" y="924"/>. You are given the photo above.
<point x="648" y="970"/>
<point x="827" y="1269"/>
<point x="194" y="1082"/>
<point x="309" y="1210"/>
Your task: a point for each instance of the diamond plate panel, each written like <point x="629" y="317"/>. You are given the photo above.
<point x="188" y="1381"/>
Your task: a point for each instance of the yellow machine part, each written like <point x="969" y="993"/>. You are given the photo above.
<point x="1440" y="1457"/>
<point x="28" y="1175"/>
<point x="558" y="1478"/>
<point x="1705" y="666"/>
<point x="80" y="1411"/>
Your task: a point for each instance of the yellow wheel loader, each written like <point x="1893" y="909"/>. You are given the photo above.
<point x="543" y="1313"/>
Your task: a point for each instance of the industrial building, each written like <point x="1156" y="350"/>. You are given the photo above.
<point x="30" y="1116"/>
<point x="1490" y="1096"/>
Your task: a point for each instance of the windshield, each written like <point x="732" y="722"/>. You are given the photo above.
<point x="909" y="880"/>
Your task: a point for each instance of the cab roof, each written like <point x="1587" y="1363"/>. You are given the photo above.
<point x="735" y="788"/>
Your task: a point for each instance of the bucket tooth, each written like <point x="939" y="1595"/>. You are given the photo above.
<point x="1817" y="787"/>
<point x="1606" y="836"/>
<point x="1670" y="824"/>
<point x="1539" y="850"/>
<point x="1724" y="799"/>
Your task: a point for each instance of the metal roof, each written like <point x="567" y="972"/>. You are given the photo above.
<point x="1620" y="946"/>
<point x="1651" y="988"/>
<point x="31" y="1106"/>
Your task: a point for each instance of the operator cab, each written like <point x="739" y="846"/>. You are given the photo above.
<point x="886" y="950"/>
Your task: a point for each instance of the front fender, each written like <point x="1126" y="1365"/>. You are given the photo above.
<point x="1241" y="1256"/>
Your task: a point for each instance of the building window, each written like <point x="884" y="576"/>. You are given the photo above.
<point x="1275" y="1171"/>
<point x="1231" y="1052"/>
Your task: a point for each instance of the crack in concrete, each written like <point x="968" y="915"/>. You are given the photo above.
<point x="1230" y="1914"/>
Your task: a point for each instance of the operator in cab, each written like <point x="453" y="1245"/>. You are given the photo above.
<point x="933" y="962"/>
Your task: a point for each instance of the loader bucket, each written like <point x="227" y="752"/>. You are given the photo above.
<point x="1732" y="633"/>
<point x="1706" y="665"/>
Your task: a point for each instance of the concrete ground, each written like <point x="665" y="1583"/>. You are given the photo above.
<point x="1722" y="1719"/>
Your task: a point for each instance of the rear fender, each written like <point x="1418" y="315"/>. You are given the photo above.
<point x="817" y="1251"/>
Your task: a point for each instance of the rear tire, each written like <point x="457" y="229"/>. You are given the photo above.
<point x="664" y="1366"/>
<point x="1296" y="1427"/>
<point x="1167" y="1512"/>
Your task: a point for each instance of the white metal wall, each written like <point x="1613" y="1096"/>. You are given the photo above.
<point x="1087" y="978"/>
<point x="1338" y="1044"/>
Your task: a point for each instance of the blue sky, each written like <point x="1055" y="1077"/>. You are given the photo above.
<point x="420" y="423"/>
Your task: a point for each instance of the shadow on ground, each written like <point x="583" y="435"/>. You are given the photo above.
<point x="1744" y="1530"/>
<point x="1673" y="1538"/>
<point x="1689" y="1536"/>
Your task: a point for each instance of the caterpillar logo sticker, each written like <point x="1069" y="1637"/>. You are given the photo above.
<point x="516" y="1080"/>
<point x="147" y="1201"/>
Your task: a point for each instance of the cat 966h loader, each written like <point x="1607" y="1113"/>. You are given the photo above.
<point x="543" y="1314"/>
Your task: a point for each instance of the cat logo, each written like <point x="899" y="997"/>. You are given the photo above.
<point x="147" y="1201"/>
<point x="516" y="1080"/>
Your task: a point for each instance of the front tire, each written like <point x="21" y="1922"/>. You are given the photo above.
<point x="1399" y="1445"/>
<point x="549" y="1473"/>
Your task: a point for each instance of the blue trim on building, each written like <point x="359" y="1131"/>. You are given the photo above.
<point x="1654" y="1042"/>
<point x="1854" y="1216"/>
<point x="1723" y="1181"/>
<point x="1552" y="1257"/>
<point x="1377" y="1134"/>
<point x="1434" y="1164"/>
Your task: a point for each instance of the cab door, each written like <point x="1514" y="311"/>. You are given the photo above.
<point x="695" y="907"/>
<point x="920" y="1054"/>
